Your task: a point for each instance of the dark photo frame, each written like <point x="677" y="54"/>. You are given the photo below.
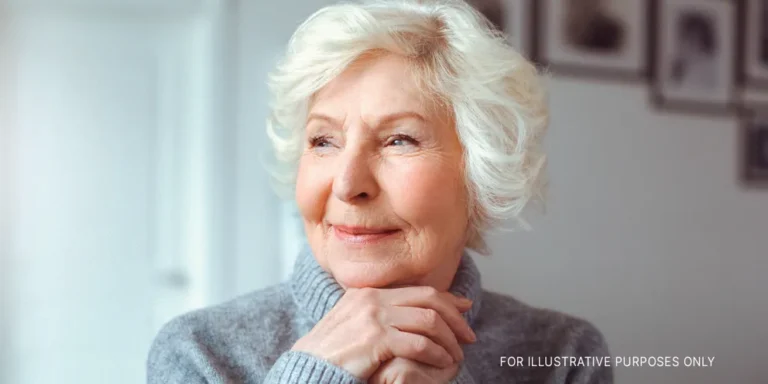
<point x="753" y="23"/>
<point x="514" y="18"/>
<point x="603" y="39"/>
<point x="694" y="61"/>
<point x="753" y="147"/>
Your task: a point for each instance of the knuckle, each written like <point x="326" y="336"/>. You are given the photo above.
<point x="420" y="344"/>
<point x="370" y="312"/>
<point x="430" y="292"/>
<point x="431" y="318"/>
<point x="372" y="335"/>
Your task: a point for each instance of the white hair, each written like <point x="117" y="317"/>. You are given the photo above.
<point x="496" y="95"/>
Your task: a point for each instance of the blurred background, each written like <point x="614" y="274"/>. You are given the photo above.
<point x="132" y="187"/>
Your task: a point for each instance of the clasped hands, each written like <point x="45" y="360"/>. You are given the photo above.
<point x="393" y="336"/>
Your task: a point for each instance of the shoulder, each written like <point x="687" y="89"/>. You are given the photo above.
<point x="253" y="310"/>
<point x="550" y="331"/>
<point x="548" y="346"/>
<point x="202" y="342"/>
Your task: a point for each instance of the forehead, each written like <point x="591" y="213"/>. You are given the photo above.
<point x="372" y="86"/>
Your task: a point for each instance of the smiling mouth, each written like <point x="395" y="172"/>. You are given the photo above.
<point x="359" y="235"/>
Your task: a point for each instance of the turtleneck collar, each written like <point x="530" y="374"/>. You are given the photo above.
<point x="316" y="291"/>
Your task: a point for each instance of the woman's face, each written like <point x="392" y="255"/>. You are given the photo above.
<point x="380" y="183"/>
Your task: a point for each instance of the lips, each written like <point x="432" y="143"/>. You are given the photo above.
<point x="362" y="235"/>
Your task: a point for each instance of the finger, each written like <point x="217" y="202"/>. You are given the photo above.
<point x="426" y="322"/>
<point x="417" y="376"/>
<point x="439" y="375"/>
<point x="462" y="303"/>
<point x="417" y="348"/>
<point x="428" y="297"/>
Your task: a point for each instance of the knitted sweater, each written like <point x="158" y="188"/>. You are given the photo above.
<point x="248" y="339"/>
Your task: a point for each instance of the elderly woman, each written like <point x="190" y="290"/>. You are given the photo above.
<point x="413" y="129"/>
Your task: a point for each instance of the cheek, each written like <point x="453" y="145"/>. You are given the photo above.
<point x="313" y="187"/>
<point x="428" y="193"/>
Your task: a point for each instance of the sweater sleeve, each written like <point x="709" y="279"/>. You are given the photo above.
<point x="302" y="368"/>
<point x="179" y="356"/>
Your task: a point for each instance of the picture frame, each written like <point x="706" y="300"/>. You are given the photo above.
<point x="694" y="62"/>
<point x="604" y="39"/>
<point x="753" y="147"/>
<point x="753" y="20"/>
<point x="514" y="18"/>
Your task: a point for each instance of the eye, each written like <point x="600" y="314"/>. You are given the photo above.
<point x="401" y="140"/>
<point x="321" y="141"/>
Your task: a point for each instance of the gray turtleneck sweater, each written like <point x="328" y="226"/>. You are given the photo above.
<point x="248" y="339"/>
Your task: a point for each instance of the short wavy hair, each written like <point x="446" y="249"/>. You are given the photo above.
<point x="495" y="94"/>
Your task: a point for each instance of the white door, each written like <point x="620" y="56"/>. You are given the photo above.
<point x="105" y="168"/>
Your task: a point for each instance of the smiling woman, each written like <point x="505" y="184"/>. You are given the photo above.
<point x="368" y="178"/>
<point x="410" y="129"/>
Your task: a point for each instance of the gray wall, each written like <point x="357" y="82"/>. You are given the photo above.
<point x="647" y="234"/>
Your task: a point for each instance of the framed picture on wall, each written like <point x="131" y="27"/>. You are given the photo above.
<point x="694" y="60"/>
<point x="754" y="147"/>
<point x="513" y="18"/>
<point x="595" y="38"/>
<point x="754" y="24"/>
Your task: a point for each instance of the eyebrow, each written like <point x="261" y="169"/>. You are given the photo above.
<point x="386" y="119"/>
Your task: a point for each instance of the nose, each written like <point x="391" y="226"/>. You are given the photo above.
<point x="355" y="181"/>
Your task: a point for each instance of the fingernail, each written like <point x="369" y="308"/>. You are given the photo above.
<point x="472" y="335"/>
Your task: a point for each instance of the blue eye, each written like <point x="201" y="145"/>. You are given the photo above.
<point x="401" y="140"/>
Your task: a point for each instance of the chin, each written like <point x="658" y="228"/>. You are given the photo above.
<point x="367" y="273"/>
